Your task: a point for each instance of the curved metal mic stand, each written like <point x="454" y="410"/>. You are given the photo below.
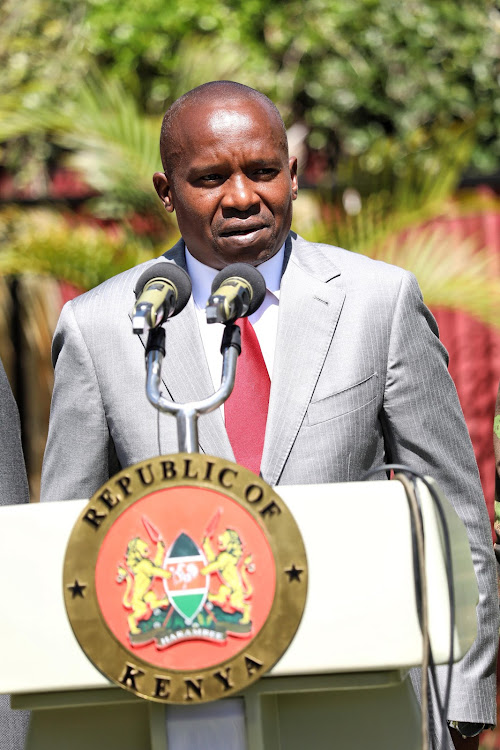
<point x="187" y="414"/>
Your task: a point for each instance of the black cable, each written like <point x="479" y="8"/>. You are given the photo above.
<point x="409" y="485"/>
<point x="442" y="706"/>
<point x="451" y="597"/>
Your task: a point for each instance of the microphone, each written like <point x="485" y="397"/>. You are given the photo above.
<point x="162" y="291"/>
<point x="237" y="291"/>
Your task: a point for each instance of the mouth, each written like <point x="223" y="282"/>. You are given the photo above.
<point x="246" y="231"/>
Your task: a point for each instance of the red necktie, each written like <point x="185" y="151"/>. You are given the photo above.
<point x="246" y="408"/>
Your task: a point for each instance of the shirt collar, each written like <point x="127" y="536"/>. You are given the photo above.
<point x="202" y="276"/>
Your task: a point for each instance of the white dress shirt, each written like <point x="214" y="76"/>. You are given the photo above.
<point x="264" y="320"/>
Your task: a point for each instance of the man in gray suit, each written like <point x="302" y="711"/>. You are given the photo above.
<point x="13" y="489"/>
<point x="358" y="375"/>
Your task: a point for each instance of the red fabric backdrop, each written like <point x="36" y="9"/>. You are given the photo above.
<point x="474" y="350"/>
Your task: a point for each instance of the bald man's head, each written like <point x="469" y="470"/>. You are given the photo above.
<point x="227" y="174"/>
<point x="220" y="94"/>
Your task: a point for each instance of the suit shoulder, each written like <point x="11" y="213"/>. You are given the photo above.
<point x="116" y="285"/>
<point x="355" y="268"/>
<point x="119" y="289"/>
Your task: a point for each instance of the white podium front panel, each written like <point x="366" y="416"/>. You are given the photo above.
<point x="360" y="613"/>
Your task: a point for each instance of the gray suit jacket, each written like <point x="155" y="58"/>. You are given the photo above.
<point x="13" y="489"/>
<point x="359" y="378"/>
<point x="13" y="482"/>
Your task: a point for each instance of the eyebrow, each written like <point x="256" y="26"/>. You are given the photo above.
<point x="210" y="167"/>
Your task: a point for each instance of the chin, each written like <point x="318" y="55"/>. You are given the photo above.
<point x="252" y="256"/>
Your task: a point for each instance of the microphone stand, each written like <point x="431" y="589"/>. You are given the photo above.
<point x="187" y="414"/>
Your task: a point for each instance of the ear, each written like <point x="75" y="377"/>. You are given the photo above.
<point x="292" y="164"/>
<point x="162" y="187"/>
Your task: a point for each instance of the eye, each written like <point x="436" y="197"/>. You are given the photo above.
<point x="265" y="172"/>
<point x="211" y="177"/>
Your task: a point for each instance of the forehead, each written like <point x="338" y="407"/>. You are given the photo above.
<point x="235" y="127"/>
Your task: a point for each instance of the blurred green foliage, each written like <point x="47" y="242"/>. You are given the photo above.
<point x="43" y="56"/>
<point x="354" y="73"/>
<point x="402" y="97"/>
<point x="49" y="243"/>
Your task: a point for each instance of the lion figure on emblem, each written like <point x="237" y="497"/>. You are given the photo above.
<point x="236" y="587"/>
<point x="140" y="573"/>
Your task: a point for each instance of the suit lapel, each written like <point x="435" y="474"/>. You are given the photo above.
<point x="311" y="301"/>
<point x="185" y="372"/>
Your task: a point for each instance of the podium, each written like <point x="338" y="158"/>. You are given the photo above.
<point x="343" y="677"/>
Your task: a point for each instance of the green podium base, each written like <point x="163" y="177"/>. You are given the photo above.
<point x="324" y="712"/>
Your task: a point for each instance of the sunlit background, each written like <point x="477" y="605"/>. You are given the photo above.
<point x="391" y="106"/>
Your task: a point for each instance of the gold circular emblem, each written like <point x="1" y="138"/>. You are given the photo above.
<point x="185" y="578"/>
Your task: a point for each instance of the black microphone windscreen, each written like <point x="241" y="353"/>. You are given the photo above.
<point x="251" y="275"/>
<point x="171" y="272"/>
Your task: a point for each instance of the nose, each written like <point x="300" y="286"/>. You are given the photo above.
<point x="239" y="194"/>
